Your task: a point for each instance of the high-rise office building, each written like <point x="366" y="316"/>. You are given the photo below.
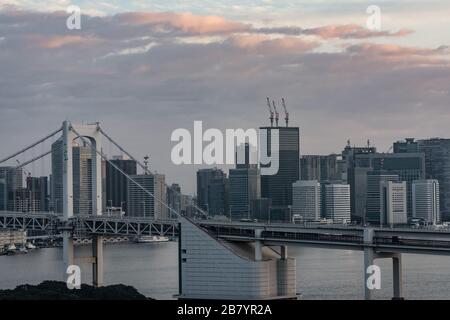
<point x="393" y="203"/>
<point x="407" y="166"/>
<point x="116" y="182"/>
<point x="406" y="146"/>
<point x="212" y="191"/>
<point x="356" y="177"/>
<point x="174" y="197"/>
<point x="244" y="187"/>
<point x="321" y="168"/>
<point x="374" y="180"/>
<point x="426" y="200"/>
<point x="140" y="203"/>
<point x="437" y="164"/>
<point x="3" y="195"/>
<point x="11" y="179"/>
<point x="278" y="187"/>
<point x="306" y="199"/>
<point x="37" y="189"/>
<point x="336" y="202"/>
<point x="82" y="179"/>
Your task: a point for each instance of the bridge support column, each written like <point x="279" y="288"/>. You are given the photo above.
<point x="369" y="257"/>
<point x="97" y="265"/>
<point x="284" y="252"/>
<point x="397" y="276"/>
<point x="258" y="245"/>
<point x="68" y="256"/>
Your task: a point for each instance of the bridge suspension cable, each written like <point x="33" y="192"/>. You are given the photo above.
<point x="86" y="141"/>
<point x="23" y="164"/>
<point x="145" y="168"/>
<point x="30" y="146"/>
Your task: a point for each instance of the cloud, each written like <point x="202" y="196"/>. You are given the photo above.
<point x="163" y="71"/>
<point x="345" y="31"/>
<point x="185" y="22"/>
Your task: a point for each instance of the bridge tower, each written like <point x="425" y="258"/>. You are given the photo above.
<point x="92" y="133"/>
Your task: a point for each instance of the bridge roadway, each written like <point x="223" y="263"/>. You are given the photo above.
<point x="87" y="225"/>
<point x="387" y="240"/>
<point x="395" y="240"/>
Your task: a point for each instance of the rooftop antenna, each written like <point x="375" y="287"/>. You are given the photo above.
<point x="146" y="158"/>
<point x="368" y="143"/>
<point x="277" y="115"/>
<point x="286" y="113"/>
<point x="348" y="143"/>
<point x="271" y="112"/>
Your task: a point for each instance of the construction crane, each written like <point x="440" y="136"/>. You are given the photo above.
<point x="286" y="113"/>
<point x="271" y="112"/>
<point x="277" y="115"/>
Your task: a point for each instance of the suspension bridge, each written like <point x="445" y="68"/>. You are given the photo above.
<point x="228" y="260"/>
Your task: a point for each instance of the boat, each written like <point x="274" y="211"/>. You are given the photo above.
<point x="22" y="250"/>
<point x="11" y="250"/>
<point x="30" y="246"/>
<point x="152" y="239"/>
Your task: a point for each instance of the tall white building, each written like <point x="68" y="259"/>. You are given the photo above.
<point x="393" y="199"/>
<point x="336" y="202"/>
<point x="425" y="199"/>
<point x="306" y="199"/>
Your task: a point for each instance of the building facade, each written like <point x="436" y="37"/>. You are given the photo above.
<point x="393" y="197"/>
<point x="278" y="187"/>
<point x="426" y="204"/>
<point x="306" y="199"/>
<point x="336" y="202"/>
<point x="437" y="159"/>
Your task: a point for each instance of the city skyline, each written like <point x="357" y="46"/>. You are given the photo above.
<point x="160" y="69"/>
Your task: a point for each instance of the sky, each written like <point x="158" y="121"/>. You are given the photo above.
<point x="146" y="68"/>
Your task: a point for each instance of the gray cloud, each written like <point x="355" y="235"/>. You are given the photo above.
<point x="142" y="80"/>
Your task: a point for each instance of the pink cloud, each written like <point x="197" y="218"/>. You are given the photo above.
<point x="264" y="44"/>
<point x="186" y="22"/>
<point x="56" y="42"/>
<point x="353" y="31"/>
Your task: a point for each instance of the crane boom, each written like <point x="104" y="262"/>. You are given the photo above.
<point x="285" y="112"/>
<point x="277" y="115"/>
<point x="271" y="112"/>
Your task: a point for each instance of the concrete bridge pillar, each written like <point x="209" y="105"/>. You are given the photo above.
<point x="258" y="245"/>
<point x="68" y="256"/>
<point x="397" y="276"/>
<point x="369" y="257"/>
<point x="97" y="264"/>
<point x="284" y="252"/>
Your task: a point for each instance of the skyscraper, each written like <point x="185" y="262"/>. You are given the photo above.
<point x="426" y="200"/>
<point x="174" y="197"/>
<point x="117" y="183"/>
<point x="437" y="163"/>
<point x="393" y="203"/>
<point x="320" y="168"/>
<point x="211" y="191"/>
<point x="374" y="179"/>
<point x="244" y="187"/>
<point x="356" y="177"/>
<point x="306" y="199"/>
<point x="140" y="203"/>
<point x="336" y="202"/>
<point x="407" y="166"/>
<point x="11" y="179"/>
<point x="82" y="179"/>
<point x="278" y="187"/>
<point x="406" y="146"/>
